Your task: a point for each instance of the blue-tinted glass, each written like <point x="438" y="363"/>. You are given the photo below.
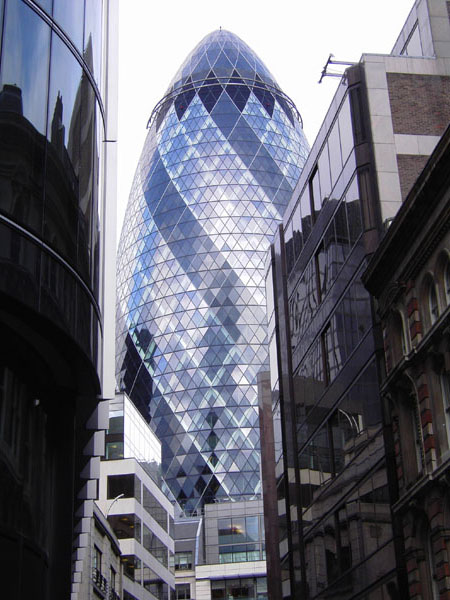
<point x="214" y="177"/>
<point x="92" y="47"/>
<point x="69" y="14"/>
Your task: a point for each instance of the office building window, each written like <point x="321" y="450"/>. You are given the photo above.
<point x="250" y="588"/>
<point x="183" y="561"/>
<point x="126" y="486"/>
<point x="97" y="560"/>
<point x="154" y="508"/>
<point x="183" y="591"/>
<point x="126" y="526"/>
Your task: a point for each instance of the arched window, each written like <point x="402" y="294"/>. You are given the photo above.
<point x="447" y="282"/>
<point x="410" y="429"/>
<point x="445" y="389"/>
<point x="398" y="337"/>
<point x="426" y="564"/>
<point x="432" y="302"/>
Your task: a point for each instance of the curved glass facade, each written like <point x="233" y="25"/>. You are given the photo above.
<point x="224" y="151"/>
<point x="50" y="124"/>
<point x="52" y="224"/>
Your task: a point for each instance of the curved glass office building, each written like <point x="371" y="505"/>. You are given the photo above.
<point x="224" y="151"/>
<point x="53" y="221"/>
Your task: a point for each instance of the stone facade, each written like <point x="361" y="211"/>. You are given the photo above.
<point x="410" y="277"/>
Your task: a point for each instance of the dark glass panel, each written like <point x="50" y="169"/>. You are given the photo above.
<point x="155" y="546"/>
<point x="126" y="526"/>
<point x="131" y="567"/>
<point x="63" y="163"/>
<point x="238" y="91"/>
<point x="297" y="232"/>
<point x="23" y="106"/>
<point x="21" y="266"/>
<point x="183" y="99"/>
<point x="59" y="294"/>
<point x="87" y="169"/>
<point x="210" y="91"/>
<point x="153" y="583"/>
<point x="92" y="50"/>
<point x="155" y="509"/>
<point x="27" y="70"/>
<point x="126" y="486"/>
<point x="264" y="96"/>
<point x="70" y="17"/>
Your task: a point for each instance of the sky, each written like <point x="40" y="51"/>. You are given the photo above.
<point x="293" y="38"/>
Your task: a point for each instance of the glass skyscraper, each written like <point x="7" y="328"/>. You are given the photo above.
<point x="224" y="151"/>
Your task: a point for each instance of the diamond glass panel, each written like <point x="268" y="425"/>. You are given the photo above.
<point x="223" y="153"/>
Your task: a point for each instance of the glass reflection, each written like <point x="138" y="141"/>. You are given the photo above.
<point x="70" y="17"/>
<point x="25" y="56"/>
<point x="220" y="163"/>
<point x="93" y="37"/>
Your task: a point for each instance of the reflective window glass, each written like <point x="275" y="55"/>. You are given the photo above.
<point x="345" y="130"/>
<point x="251" y="524"/>
<point x="24" y="64"/>
<point x="155" y="509"/>
<point x="64" y="133"/>
<point x="126" y="526"/>
<point x="334" y="152"/>
<point x="92" y="52"/>
<point x="353" y="202"/>
<point x="297" y="232"/>
<point x="69" y="15"/>
<point x="305" y="210"/>
<point x="131" y="567"/>
<point x="314" y="190"/>
<point x="126" y="486"/>
<point x="325" y="175"/>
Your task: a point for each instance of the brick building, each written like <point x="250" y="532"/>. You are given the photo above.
<point x="410" y="276"/>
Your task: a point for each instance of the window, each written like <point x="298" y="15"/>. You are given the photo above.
<point x="447" y="282"/>
<point x="251" y="588"/>
<point x="433" y="302"/>
<point x="182" y="591"/>
<point x="234" y="535"/>
<point x="154" y="508"/>
<point x="112" y="578"/>
<point x="97" y="560"/>
<point x="98" y="580"/>
<point x="398" y="339"/>
<point x="126" y="486"/>
<point x="183" y="561"/>
<point x="126" y="526"/>
<point x="132" y="567"/>
<point x="445" y="388"/>
<point x="155" y="546"/>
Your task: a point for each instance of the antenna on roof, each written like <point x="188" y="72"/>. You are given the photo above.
<point x="326" y="73"/>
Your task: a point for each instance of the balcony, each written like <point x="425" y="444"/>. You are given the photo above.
<point x="100" y="583"/>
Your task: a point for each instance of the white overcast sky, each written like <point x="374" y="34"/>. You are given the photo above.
<point x="292" y="37"/>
